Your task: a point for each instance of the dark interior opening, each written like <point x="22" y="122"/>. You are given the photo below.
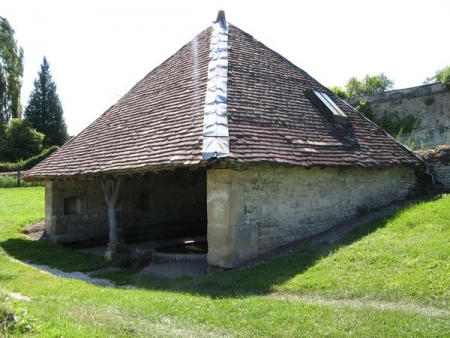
<point x="72" y="205"/>
<point x="165" y="205"/>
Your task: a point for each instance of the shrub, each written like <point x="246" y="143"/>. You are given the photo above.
<point x="20" y="141"/>
<point x="428" y="100"/>
<point x="31" y="162"/>
<point x="389" y="121"/>
<point x="14" y="320"/>
<point x="10" y="181"/>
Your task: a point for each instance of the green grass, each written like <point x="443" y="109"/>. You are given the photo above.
<point x="388" y="278"/>
<point x="11" y="182"/>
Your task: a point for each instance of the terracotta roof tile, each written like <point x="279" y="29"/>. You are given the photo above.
<point x="159" y="122"/>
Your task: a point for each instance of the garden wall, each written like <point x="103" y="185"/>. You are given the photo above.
<point x="428" y="104"/>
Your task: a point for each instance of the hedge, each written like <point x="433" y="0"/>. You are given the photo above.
<point x="29" y="163"/>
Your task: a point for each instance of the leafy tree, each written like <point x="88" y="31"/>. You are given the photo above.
<point x="369" y="85"/>
<point x="44" y="109"/>
<point x="442" y="76"/>
<point x="11" y="72"/>
<point x="339" y="91"/>
<point x="20" y="141"/>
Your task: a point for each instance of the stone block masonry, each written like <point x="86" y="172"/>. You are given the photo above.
<point x="428" y="104"/>
<point x="438" y="163"/>
<point x="153" y="206"/>
<point x="256" y="210"/>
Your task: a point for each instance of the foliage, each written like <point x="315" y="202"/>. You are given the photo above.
<point x="364" y="108"/>
<point x="10" y="167"/>
<point x="44" y="109"/>
<point x="10" y="181"/>
<point x="410" y="142"/>
<point x="29" y="163"/>
<point x="11" y="72"/>
<point x="20" y="141"/>
<point x="429" y="100"/>
<point x="387" y="278"/>
<point x="392" y="123"/>
<point x="13" y="319"/>
<point x="389" y="121"/>
<point x="369" y="85"/>
<point x="339" y="91"/>
<point x="441" y="76"/>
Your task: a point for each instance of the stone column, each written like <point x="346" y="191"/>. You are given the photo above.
<point x="116" y="249"/>
<point x="231" y="242"/>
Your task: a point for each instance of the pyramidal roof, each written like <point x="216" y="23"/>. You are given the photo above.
<point x="224" y="95"/>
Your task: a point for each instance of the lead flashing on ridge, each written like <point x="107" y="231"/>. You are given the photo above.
<point x="215" y="127"/>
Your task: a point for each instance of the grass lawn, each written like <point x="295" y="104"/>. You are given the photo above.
<point x="388" y="278"/>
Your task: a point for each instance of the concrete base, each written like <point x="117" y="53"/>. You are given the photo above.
<point x="176" y="269"/>
<point x="118" y="254"/>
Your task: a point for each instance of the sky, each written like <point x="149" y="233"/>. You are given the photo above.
<point x="98" y="50"/>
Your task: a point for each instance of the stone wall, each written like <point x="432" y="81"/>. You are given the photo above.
<point x="438" y="163"/>
<point x="429" y="104"/>
<point x="153" y="206"/>
<point x="256" y="210"/>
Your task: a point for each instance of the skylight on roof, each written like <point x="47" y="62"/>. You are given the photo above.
<point x="328" y="106"/>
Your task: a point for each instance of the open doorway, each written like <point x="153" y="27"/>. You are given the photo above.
<point x="165" y="205"/>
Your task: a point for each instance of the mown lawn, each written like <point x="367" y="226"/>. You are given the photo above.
<point x="388" y="278"/>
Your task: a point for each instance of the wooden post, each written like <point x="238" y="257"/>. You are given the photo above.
<point x="18" y="178"/>
<point x="112" y="189"/>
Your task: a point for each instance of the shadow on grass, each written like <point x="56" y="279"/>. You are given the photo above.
<point x="54" y="256"/>
<point x="256" y="280"/>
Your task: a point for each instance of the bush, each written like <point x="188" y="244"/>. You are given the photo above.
<point x="390" y="122"/>
<point x="31" y="162"/>
<point x="9" y="167"/>
<point x="20" y="141"/>
<point x="442" y="76"/>
<point x="14" y="320"/>
<point x="10" y="181"/>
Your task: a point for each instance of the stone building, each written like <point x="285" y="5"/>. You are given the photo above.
<point x="225" y="139"/>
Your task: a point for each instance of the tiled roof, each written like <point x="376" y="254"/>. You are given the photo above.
<point x="159" y="123"/>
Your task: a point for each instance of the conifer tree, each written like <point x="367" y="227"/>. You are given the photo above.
<point x="11" y="71"/>
<point x="44" y="109"/>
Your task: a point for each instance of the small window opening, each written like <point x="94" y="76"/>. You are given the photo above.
<point x="327" y="106"/>
<point x="72" y="205"/>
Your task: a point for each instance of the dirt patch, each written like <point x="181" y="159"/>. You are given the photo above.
<point x="36" y="232"/>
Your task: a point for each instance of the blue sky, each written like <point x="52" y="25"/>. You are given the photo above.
<point x="99" y="49"/>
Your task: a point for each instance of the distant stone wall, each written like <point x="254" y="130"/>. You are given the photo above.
<point x="429" y="104"/>
<point x="253" y="211"/>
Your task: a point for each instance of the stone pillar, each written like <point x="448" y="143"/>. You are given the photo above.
<point x="231" y="242"/>
<point x="116" y="249"/>
<point x="54" y="207"/>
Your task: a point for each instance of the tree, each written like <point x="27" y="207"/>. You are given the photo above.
<point x="339" y="91"/>
<point x="20" y="141"/>
<point x="44" y="109"/>
<point x="442" y="76"/>
<point x="369" y="85"/>
<point x="11" y="72"/>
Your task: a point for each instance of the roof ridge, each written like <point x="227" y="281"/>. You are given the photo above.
<point x="215" y="129"/>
